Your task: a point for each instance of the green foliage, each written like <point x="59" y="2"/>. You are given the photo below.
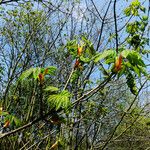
<point x="34" y="72"/>
<point x="103" y="55"/>
<point x="136" y="28"/>
<point x="51" y="89"/>
<point x="50" y="70"/>
<point x="131" y="83"/>
<point x="133" y="57"/>
<point x="75" y="76"/>
<point x="13" y="120"/>
<point x="60" y="100"/>
<point x="87" y="46"/>
<point x="27" y="73"/>
<point x="134" y="62"/>
<point x="133" y="8"/>
<point x="72" y="47"/>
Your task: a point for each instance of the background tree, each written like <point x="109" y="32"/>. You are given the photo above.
<point x="73" y="75"/>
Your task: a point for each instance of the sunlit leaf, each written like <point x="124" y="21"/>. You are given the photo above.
<point x="135" y="58"/>
<point x="86" y="60"/>
<point x="131" y="83"/>
<point x="51" y="70"/>
<point x="36" y="72"/>
<point x="16" y="121"/>
<point x="26" y="74"/>
<point x="103" y="55"/>
<point x="60" y="100"/>
<point x="51" y="89"/>
<point x="125" y="53"/>
<point x="137" y="70"/>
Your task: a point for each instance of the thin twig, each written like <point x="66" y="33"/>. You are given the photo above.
<point x="94" y="90"/>
<point x="124" y="114"/>
<point x="69" y="78"/>
<point x="26" y="126"/>
<point x="97" y="10"/>
<point x="115" y="19"/>
<point x="9" y="1"/>
<point x="102" y="26"/>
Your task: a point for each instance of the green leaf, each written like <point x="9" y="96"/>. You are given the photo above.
<point x="144" y="18"/>
<point x="145" y="51"/>
<point x="141" y="63"/>
<point x="137" y="70"/>
<point x="26" y="74"/>
<point x="142" y="28"/>
<point x="122" y="71"/>
<point x="16" y="121"/>
<point x="51" y="70"/>
<point x="143" y="9"/>
<point x="4" y="113"/>
<point x="36" y="72"/>
<point x="103" y="55"/>
<point x="132" y="27"/>
<point x="127" y="11"/>
<point x="89" y="46"/>
<point x="143" y="71"/>
<point x="135" y="3"/>
<point x="125" y="53"/>
<point x="72" y="47"/>
<point x="60" y="100"/>
<point x="131" y="83"/>
<point x="75" y="76"/>
<point x="110" y="60"/>
<point x="128" y="64"/>
<point x="85" y="60"/>
<point x="135" y="59"/>
<point x="51" y="89"/>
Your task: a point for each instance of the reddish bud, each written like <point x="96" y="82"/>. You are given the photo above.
<point x="46" y="71"/>
<point x="79" y="51"/>
<point x="41" y="77"/>
<point x="7" y="123"/>
<point x="77" y="64"/>
<point x="118" y="63"/>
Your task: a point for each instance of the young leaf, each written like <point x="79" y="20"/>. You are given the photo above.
<point x="103" y="55"/>
<point x="109" y="60"/>
<point x="131" y="83"/>
<point x="135" y="3"/>
<point x="122" y="71"/>
<point x="75" y="76"/>
<point x="51" y="89"/>
<point x="16" y="121"/>
<point x="85" y="60"/>
<point x="137" y="70"/>
<point x="51" y="70"/>
<point x="26" y="74"/>
<point x="36" y="72"/>
<point x="1" y="110"/>
<point x="127" y="11"/>
<point x="135" y="59"/>
<point x="125" y="53"/>
<point x="60" y="100"/>
<point x="143" y="70"/>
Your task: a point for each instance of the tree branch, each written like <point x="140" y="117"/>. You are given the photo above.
<point x="115" y="19"/>
<point x="124" y="114"/>
<point x="9" y="1"/>
<point x="27" y="125"/>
